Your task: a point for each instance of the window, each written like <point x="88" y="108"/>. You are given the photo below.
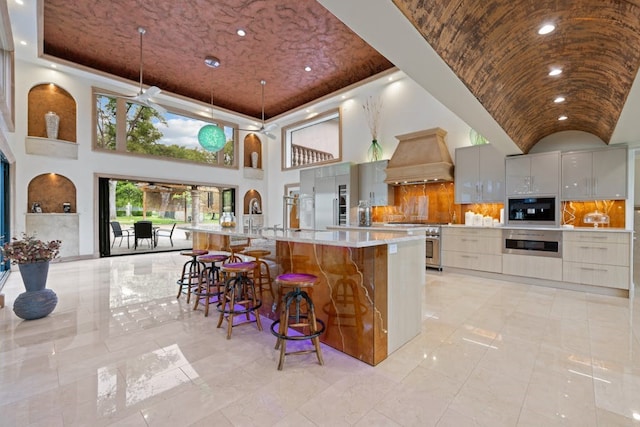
<point x="314" y="141"/>
<point x="148" y="132"/>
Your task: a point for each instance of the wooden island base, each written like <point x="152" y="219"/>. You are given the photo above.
<point x="370" y="297"/>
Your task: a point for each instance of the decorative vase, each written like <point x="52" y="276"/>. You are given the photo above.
<point x="52" y="120"/>
<point x="254" y="160"/>
<point x="375" y="151"/>
<point x="37" y="301"/>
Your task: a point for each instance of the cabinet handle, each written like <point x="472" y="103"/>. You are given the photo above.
<point x="595" y="185"/>
<point x="593" y="247"/>
<point x="469" y="240"/>
<point x="594" y="269"/>
<point x="469" y="256"/>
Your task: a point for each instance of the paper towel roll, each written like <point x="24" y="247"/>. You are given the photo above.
<point x="502" y="216"/>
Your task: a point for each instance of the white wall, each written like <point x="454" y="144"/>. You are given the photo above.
<point x="81" y="172"/>
<point x="406" y="107"/>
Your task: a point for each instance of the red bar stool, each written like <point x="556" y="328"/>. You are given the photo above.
<point x="209" y="283"/>
<point x="261" y="275"/>
<point x="190" y="272"/>
<point x="295" y="315"/>
<point x="239" y="295"/>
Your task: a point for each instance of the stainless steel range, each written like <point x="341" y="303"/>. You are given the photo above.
<point x="433" y="252"/>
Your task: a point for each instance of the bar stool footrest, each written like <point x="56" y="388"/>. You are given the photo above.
<point x="297" y="337"/>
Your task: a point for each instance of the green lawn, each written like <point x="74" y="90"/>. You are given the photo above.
<point x="129" y="220"/>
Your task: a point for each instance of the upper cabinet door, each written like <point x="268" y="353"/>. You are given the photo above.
<point x="595" y="175"/>
<point x="576" y="175"/>
<point x="491" y="174"/>
<point x="371" y="183"/>
<point x="479" y="175"/>
<point x="518" y="175"/>
<point x="533" y="174"/>
<point x="545" y="173"/>
<point x="610" y="174"/>
<point x="467" y="173"/>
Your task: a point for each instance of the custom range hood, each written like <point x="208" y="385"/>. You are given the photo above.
<point x="420" y="157"/>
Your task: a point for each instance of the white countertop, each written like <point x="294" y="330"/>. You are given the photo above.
<point x="506" y="227"/>
<point x="345" y="238"/>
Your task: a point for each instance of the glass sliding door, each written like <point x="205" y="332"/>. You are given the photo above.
<point x="5" y="219"/>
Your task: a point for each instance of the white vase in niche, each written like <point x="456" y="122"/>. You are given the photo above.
<point x="52" y="120"/>
<point x="254" y="160"/>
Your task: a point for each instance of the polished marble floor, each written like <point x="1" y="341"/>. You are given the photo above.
<point x="120" y="349"/>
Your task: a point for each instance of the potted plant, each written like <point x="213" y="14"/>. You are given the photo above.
<point x="32" y="256"/>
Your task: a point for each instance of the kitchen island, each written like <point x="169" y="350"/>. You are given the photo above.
<point x="369" y="293"/>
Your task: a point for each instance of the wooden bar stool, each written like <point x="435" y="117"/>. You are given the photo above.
<point x="295" y="315"/>
<point x="209" y="283"/>
<point x="261" y="275"/>
<point x="239" y="295"/>
<point x="190" y="272"/>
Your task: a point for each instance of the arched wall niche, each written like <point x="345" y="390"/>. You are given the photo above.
<point x="47" y="97"/>
<point x="252" y="144"/>
<point x="248" y="197"/>
<point x="51" y="191"/>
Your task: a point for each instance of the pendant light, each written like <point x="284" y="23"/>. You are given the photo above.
<point x="212" y="137"/>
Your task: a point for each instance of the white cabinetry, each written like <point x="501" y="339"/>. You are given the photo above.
<point x="597" y="258"/>
<point x="539" y="267"/>
<point x="371" y="178"/>
<point x="533" y="174"/>
<point x="472" y="248"/>
<point x="479" y="174"/>
<point x="589" y="175"/>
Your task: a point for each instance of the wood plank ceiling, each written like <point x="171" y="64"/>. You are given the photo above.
<point x="494" y="48"/>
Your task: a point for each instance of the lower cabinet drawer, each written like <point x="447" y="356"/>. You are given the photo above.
<point x="532" y="266"/>
<point x="610" y="276"/>
<point x="472" y="261"/>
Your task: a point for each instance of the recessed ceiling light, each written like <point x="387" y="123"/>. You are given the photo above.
<point x="20" y="2"/>
<point x="241" y="32"/>
<point x="307" y="68"/>
<point x="23" y="43"/>
<point x="561" y="118"/>
<point x="546" y="29"/>
<point x="212" y="61"/>
<point x="559" y="99"/>
<point x="54" y="66"/>
<point x="555" y="72"/>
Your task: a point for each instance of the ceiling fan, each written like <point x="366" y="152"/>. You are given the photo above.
<point x="264" y="130"/>
<point x="144" y="97"/>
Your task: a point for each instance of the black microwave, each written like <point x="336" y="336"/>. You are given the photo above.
<point x="541" y="211"/>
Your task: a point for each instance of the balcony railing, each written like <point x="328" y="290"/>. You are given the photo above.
<point x="301" y="156"/>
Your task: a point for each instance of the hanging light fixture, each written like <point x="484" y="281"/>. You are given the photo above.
<point x="212" y="137"/>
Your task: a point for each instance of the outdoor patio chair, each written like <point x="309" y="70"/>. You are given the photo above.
<point x="166" y="233"/>
<point x="119" y="232"/>
<point x="143" y="230"/>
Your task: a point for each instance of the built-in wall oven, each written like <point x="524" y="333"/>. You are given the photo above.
<point x="532" y="211"/>
<point x="532" y="242"/>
